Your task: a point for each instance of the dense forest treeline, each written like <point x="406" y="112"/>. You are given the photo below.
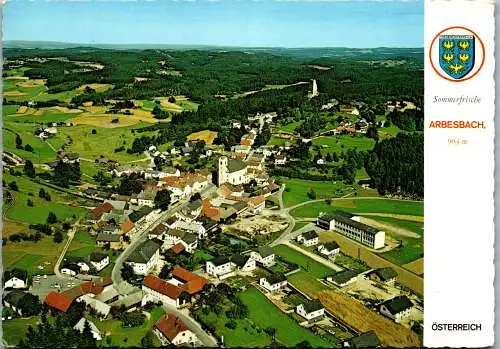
<point x="396" y="165"/>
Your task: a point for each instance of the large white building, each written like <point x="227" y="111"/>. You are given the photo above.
<point x="145" y="257"/>
<point x="349" y="225"/>
<point x="232" y="171"/>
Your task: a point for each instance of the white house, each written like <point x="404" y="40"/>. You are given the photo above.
<point x="99" y="260"/>
<point x="320" y="162"/>
<point x="158" y="290"/>
<point x="343" y="278"/>
<point x="280" y="160"/>
<point x="396" y="308"/>
<point x="243" y="263"/>
<point x="80" y="326"/>
<point x="312" y="310"/>
<point x="309" y="238"/>
<point x="17" y="279"/>
<point x="194" y="227"/>
<point x="264" y="255"/>
<point x="187" y="239"/>
<point x="329" y="249"/>
<point x="170" y="330"/>
<point x="273" y="282"/>
<point x="145" y="257"/>
<point x="219" y="266"/>
<point x="101" y="308"/>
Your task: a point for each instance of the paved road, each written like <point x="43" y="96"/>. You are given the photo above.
<point x="139" y="236"/>
<point x="194" y="326"/>
<point x="71" y="235"/>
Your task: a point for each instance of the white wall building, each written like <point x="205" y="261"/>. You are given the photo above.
<point x="312" y="310"/>
<point x="232" y="171"/>
<point x="273" y="282"/>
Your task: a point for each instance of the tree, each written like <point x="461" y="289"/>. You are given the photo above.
<point x="58" y="237"/>
<point x="271" y="331"/>
<point x="162" y="199"/>
<point x="51" y="218"/>
<point x="171" y="99"/>
<point x="89" y="340"/>
<point x="94" y="131"/>
<point x="311" y="194"/>
<point x="42" y="193"/>
<point x="29" y="169"/>
<point x="47" y="197"/>
<point x="65" y="173"/>
<point x="29" y="202"/>
<point x="165" y="271"/>
<point x="194" y="197"/>
<point x="133" y="319"/>
<point x="13" y="186"/>
<point x="329" y="157"/>
<point x="147" y="340"/>
<point x="335" y="157"/>
<point x="28" y="147"/>
<point x="372" y="132"/>
<point x="102" y="179"/>
<point x="30" y="305"/>
<point x="127" y="272"/>
<point x="19" y="142"/>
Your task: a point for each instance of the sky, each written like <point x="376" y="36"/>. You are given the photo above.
<point x="250" y="23"/>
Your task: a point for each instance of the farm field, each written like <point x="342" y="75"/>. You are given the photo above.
<point x="20" y="211"/>
<point x="29" y="255"/>
<point x="307" y="283"/>
<point x="312" y="267"/>
<point x="416" y="266"/>
<point x="297" y="189"/>
<point x="279" y="141"/>
<point x="290" y="128"/>
<point x="358" y="316"/>
<point x="330" y="144"/>
<point x="206" y="135"/>
<point x="288" y="331"/>
<point x="361" y="206"/>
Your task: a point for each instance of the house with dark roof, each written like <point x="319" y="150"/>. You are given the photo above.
<point x="58" y="301"/>
<point x="343" y="278"/>
<point x="145" y="257"/>
<point x="384" y="275"/>
<point x="193" y="208"/>
<point x="99" y="260"/>
<point x="264" y="255"/>
<point x="188" y="239"/>
<point x="309" y="238"/>
<point x="15" y="278"/>
<point x="311" y="310"/>
<point x="220" y="267"/>
<point x="112" y="241"/>
<point x="364" y="340"/>
<point x="141" y="215"/>
<point x="396" y="308"/>
<point x="208" y="223"/>
<point x="244" y="263"/>
<point x="349" y="225"/>
<point x="170" y="330"/>
<point x="273" y="282"/>
<point x="329" y="249"/>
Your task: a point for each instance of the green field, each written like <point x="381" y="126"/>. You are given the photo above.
<point x="29" y="255"/>
<point x="83" y="244"/>
<point x="278" y="141"/>
<point x="350" y="263"/>
<point x="307" y="283"/>
<point x="20" y="211"/>
<point x="288" y="332"/>
<point x="47" y="115"/>
<point x="297" y="189"/>
<point x="362" y="205"/>
<point x="312" y="267"/>
<point x="290" y="128"/>
<point x="330" y="144"/>
<point x="14" y="330"/>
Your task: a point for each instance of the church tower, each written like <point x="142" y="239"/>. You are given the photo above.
<point x="314" y="89"/>
<point x="222" y="173"/>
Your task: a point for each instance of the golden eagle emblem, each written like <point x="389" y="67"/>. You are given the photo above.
<point x="464" y="45"/>
<point x="448" y="44"/>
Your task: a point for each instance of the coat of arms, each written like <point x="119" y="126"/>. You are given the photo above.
<point x="456" y="54"/>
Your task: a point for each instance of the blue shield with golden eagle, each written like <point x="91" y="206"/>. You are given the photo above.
<point x="456" y="55"/>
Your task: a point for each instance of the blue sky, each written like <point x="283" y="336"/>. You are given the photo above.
<point x="312" y="23"/>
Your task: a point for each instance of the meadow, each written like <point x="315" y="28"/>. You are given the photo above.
<point x="339" y="143"/>
<point x="309" y="265"/>
<point x="307" y="283"/>
<point x="297" y="189"/>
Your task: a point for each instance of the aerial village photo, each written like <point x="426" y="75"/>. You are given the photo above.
<point x="212" y="174"/>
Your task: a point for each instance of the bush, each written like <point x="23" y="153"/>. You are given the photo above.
<point x="231" y="324"/>
<point x="13" y="186"/>
<point x="94" y="131"/>
<point x="29" y="202"/>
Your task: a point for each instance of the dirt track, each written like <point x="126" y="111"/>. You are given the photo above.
<point x="404" y="217"/>
<point x="387" y="227"/>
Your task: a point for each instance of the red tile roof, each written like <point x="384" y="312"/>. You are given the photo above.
<point x="58" y="301"/>
<point x="102" y="208"/>
<point x="246" y="141"/>
<point x="177" y="248"/>
<point x="162" y="287"/>
<point x="95" y="287"/>
<point x="170" y="326"/>
<point x="127" y="226"/>
<point x="193" y="282"/>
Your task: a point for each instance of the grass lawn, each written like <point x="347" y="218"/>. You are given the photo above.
<point x="350" y="263"/>
<point x="203" y="255"/>
<point x="362" y="205"/>
<point x="290" y="127"/>
<point x="314" y="268"/>
<point x="19" y="211"/>
<point x="83" y="244"/>
<point x="129" y="337"/>
<point x="29" y="255"/>
<point x="278" y="141"/>
<point x="307" y="283"/>
<point x="297" y="189"/>
<point x="14" y="330"/>
<point x="244" y="335"/>
<point x="288" y="332"/>
<point x="330" y="144"/>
